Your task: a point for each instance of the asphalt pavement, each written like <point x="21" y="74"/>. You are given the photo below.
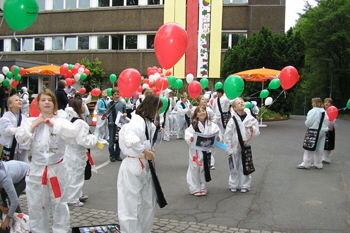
<point x="282" y="198"/>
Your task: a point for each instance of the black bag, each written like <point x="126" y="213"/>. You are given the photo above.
<point x="225" y="116"/>
<point x="115" y="228"/>
<point x="329" y="143"/>
<point x="312" y="135"/>
<point x="87" y="173"/>
<point x="247" y="156"/>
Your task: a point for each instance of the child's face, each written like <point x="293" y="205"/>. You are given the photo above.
<point x="203" y="101"/>
<point x="201" y="114"/>
<point x="45" y="104"/>
<point x="240" y="105"/>
<point x="327" y="104"/>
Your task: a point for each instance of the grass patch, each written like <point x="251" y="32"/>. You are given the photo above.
<point x="271" y="115"/>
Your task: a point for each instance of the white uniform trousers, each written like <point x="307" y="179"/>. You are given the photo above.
<point x="237" y="179"/>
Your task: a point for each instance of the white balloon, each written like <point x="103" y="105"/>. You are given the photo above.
<point x="157" y="75"/>
<point x="189" y="78"/>
<point x="77" y="77"/>
<point x="152" y="78"/>
<point x="65" y="64"/>
<point x="268" y="101"/>
<point x="5" y="69"/>
<point x="145" y="85"/>
<point x="80" y="70"/>
<point x="2" y="77"/>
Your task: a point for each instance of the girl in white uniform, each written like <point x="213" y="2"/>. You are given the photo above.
<point x="249" y="127"/>
<point x="182" y="116"/>
<point x="167" y="120"/>
<point x="47" y="178"/>
<point x="196" y="177"/>
<point x="76" y="152"/>
<point x="25" y="102"/>
<point x="136" y="193"/>
<point x="8" y="128"/>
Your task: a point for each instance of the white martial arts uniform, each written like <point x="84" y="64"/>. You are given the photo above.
<point x="8" y="129"/>
<point x="136" y="193"/>
<point x="225" y="105"/>
<point x="237" y="180"/>
<point x="47" y="145"/>
<point x="166" y="119"/>
<point x="314" y="158"/>
<point x="181" y="119"/>
<point x="25" y="102"/>
<point x="101" y="129"/>
<point x="195" y="173"/>
<point x="76" y="156"/>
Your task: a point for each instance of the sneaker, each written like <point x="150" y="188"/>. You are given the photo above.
<point x="212" y="168"/>
<point x="77" y="204"/>
<point x="302" y="167"/>
<point x="203" y="193"/>
<point x="83" y="198"/>
<point x="198" y="194"/>
<point x="166" y="140"/>
<point x="119" y="159"/>
<point x="313" y="166"/>
<point x="244" y="190"/>
<point x="233" y="190"/>
<point x="102" y="141"/>
<point x="112" y="159"/>
<point x="325" y="162"/>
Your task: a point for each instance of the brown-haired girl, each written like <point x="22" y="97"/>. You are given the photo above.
<point x="198" y="173"/>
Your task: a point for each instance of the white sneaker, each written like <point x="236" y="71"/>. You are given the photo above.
<point x="233" y="190"/>
<point x="102" y="141"/>
<point x="83" y="198"/>
<point x="244" y="190"/>
<point x="77" y="204"/>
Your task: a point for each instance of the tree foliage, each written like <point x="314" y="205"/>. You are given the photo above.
<point x="95" y="79"/>
<point x="325" y="29"/>
<point x="269" y="51"/>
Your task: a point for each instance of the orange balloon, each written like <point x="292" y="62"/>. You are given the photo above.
<point x="33" y="110"/>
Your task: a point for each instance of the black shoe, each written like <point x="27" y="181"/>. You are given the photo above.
<point x="112" y="159"/>
<point x="119" y="159"/>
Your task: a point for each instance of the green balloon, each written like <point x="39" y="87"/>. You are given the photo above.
<point x="204" y="82"/>
<point x="70" y="67"/>
<point x="6" y="83"/>
<point x="83" y="76"/>
<point x="9" y="75"/>
<point x="274" y="84"/>
<point x="109" y="92"/>
<point x="126" y="99"/>
<point x="233" y="87"/>
<point x="218" y="85"/>
<point x="171" y="80"/>
<point x="165" y="104"/>
<point x="20" y="14"/>
<point x="17" y="77"/>
<point x="348" y="104"/>
<point x="112" y="78"/>
<point x="16" y="70"/>
<point x="178" y="84"/>
<point x="248" y="104"/>
<point x="264" y="93"/>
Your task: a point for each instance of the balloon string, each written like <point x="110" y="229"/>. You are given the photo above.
<point x="260" y="115"/>
<point x="14" y="35"/>
<point x="2" y="21"/>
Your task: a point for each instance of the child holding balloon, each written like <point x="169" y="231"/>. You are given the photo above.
<point x="332" y="113"/>
<point x="198" y="173"/>
<point x="101" y="130"/>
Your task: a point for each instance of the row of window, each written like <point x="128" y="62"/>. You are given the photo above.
<point x="107" y="42"/>
<point x="80" y="4"/>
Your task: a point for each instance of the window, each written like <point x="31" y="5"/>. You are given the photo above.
<point x="15" y="45"/>
<point x="84" y="3"/>
<point x="150" y="41"/>
<point x="41" y="4"/>
<point x="155" y="2"/>
<point x="102" y="42"/>
<point x="1" y="45"/>
<point x="28" y="44"/>
<point x="33" y="84"/>
<point x="117" y="2"/>
<point x="39" y="44"/>
<point x="83" y="42"/>
<point x="231" y="39"/>
<point x="235" y="1"/>
<point x="131" y="42"/>
<point x="117" y="42"/>
<point x="132" y="2"/>
<point x="58" y="4"/>
<point x="57" y="43"/>
<point x="71" y="4"/>
<point x="70" y="43"/>
<point x="103" y="3"/>
<point x="108" y="3"/>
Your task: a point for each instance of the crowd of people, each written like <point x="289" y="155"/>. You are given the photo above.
<point x="59" y="138"/>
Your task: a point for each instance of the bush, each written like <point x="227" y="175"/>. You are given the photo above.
<point x="271" y="115"/>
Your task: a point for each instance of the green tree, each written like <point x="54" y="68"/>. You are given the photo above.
<point x="325" y="29"/>
<point x="95" y="79"/>
<point x="269" y="51"/>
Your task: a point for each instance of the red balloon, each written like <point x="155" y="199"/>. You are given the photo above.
<point x="75" y="69"/>
<point x="12" y="67"/>
<point x="194" y="89"/>
<point x="95" y="92"/>
<point x="332" y="113"/>
<point x="168" y="73"/>
<point x="68" y="74"/>
<point x="170" y="44"/>
<point x="288" y="77"/>
<point x="138" y="94"/>
<point x="33" y="110"/>
<point x="154" y="89"/>
<point x="146" y="81"/>
<point x="128" y="82"/>
<point x="139" y="89"/>
<point x="82" y="90"/>
<point x="87" y="72"/>
<point x="151" y="84"/>
<point x="162" y="84"/>
<point x="157" y="93"/>
<point x="22" y="71"/>
<point x="14" y="83"/>
<point x="63" y="70"/>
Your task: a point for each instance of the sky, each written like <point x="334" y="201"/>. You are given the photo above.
<point x="293" y="7"/>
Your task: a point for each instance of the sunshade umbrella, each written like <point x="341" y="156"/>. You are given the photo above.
<point x="44" y="70"/>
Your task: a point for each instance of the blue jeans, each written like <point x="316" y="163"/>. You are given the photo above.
<point x="113" y="147"/>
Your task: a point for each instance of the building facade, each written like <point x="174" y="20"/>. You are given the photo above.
<point x="120" y="33"/>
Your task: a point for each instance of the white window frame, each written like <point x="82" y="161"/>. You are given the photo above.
<point x="230" y="36"/>
<point x="234" y="2"/>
